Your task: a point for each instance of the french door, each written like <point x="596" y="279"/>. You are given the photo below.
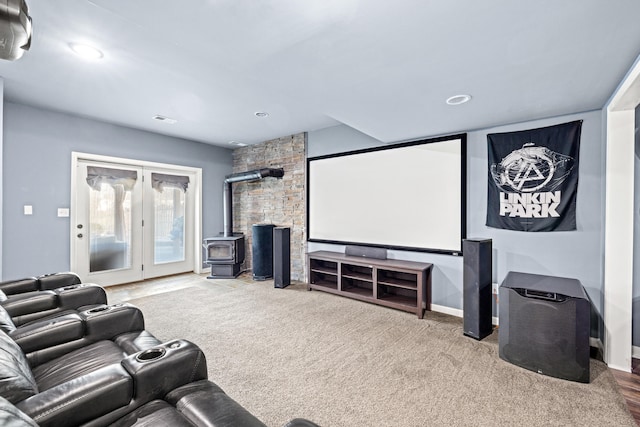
<point x="131" y="222"/>
<point x="168" y="212"/>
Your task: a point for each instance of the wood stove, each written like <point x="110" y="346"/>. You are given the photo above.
<point x="225" y="255"/>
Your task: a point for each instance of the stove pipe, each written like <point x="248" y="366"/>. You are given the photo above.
<point x="227" y="201"/>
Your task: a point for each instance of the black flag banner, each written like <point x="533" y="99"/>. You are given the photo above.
<point x="533" y="178"/>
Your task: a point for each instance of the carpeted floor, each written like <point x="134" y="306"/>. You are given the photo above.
<point x="285" y="353"/>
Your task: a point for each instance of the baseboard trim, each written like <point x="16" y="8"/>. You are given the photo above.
<point x="446" y="310"/>
<point x="619" y="368"/>
<point x="455" y="312"/>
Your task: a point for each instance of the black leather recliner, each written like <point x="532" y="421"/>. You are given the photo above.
<point x="35" y="297"/>
<point x="198" y="403"/>
<point x="104" y="384"/>
<point x="95" y="365"/>
<point x="97" y="382"/>
<point x="201" y="403"/>
<point x="40" y="283"/>
<point x="53" y="336"/>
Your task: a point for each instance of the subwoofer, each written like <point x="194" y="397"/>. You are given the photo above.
<point x="262" y="251"/>
<point x="544" y="325"/>
<point x="476" y="292"/>
<point x="281" y="257"/>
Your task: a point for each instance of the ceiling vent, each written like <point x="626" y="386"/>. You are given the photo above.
<point x="164" y="119"/>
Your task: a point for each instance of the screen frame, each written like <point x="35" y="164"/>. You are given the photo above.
<point x="463" y="193"/>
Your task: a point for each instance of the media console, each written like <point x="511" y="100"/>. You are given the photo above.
<point x="403" y="285"/>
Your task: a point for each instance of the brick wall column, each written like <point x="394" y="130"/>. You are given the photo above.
<point x="273" y="201"/>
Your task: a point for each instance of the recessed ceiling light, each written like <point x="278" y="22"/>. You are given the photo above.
<point x="164" y="119"/>
<point x="86" y="51"/>
<point x="261" y="114"/>
<point x="458" y="99"/>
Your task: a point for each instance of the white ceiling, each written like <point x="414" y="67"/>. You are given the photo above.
<point x="382" y="67"/>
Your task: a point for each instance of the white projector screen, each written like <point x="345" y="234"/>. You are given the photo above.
<point x="404" y="196"/>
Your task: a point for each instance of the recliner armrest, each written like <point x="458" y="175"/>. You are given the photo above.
<point x="74" y="296"/>
<point x="30" y="302"/>
<point x="134" y="342"/>
<point x="204" y="403"/>
<point x="57" y="280"/>
<point x="81" y="399"/>
<point x="105" y="322"/>
<point x="28" y="284"/>
<point x="47" y="333"/>
<point x="165" y="367"/>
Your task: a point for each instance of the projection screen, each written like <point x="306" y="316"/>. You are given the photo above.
<point x="404" y="196"/>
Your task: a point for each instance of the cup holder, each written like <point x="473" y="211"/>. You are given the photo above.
<point x="68" y="288"/>
<point x="99" y="309"/>
<point x="151" y="354"/>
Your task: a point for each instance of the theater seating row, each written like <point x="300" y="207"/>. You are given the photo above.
<point x="67" y="358"/>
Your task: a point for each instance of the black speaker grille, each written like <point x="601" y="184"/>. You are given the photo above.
<point x="262" y="251"/>
<point x="281" y="257"/>
<point x="548" y="337"/>
<point x="477" y="275"/>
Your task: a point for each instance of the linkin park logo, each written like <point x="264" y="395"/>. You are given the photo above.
<point x="531" y="169"/>
<point x="528" y="179"/>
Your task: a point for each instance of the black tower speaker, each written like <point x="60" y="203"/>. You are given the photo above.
<point x="281" y="257"/>
<point x="476" y="292"/>
<point x="544" y="325"/>
<point x="262" y="251"/>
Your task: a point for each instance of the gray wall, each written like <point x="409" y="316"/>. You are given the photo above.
<point x="36" y="169"/>
<point x="577" y="254"/>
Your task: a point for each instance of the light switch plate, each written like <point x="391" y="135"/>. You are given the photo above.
<point x="63" y="212"/>
<point x="28" y="210"/>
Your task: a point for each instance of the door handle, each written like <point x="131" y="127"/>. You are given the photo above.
<point x="80" y="235"/>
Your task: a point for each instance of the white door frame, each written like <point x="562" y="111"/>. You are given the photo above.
<point x="618" y="239"/>
<point x="197" y="187"/>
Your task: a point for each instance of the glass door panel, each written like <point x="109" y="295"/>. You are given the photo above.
<point x="169" y="207"/>
<point x="109" y="228"/>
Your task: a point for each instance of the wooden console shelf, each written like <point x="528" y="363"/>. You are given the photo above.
<point x="404" y="285"/>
